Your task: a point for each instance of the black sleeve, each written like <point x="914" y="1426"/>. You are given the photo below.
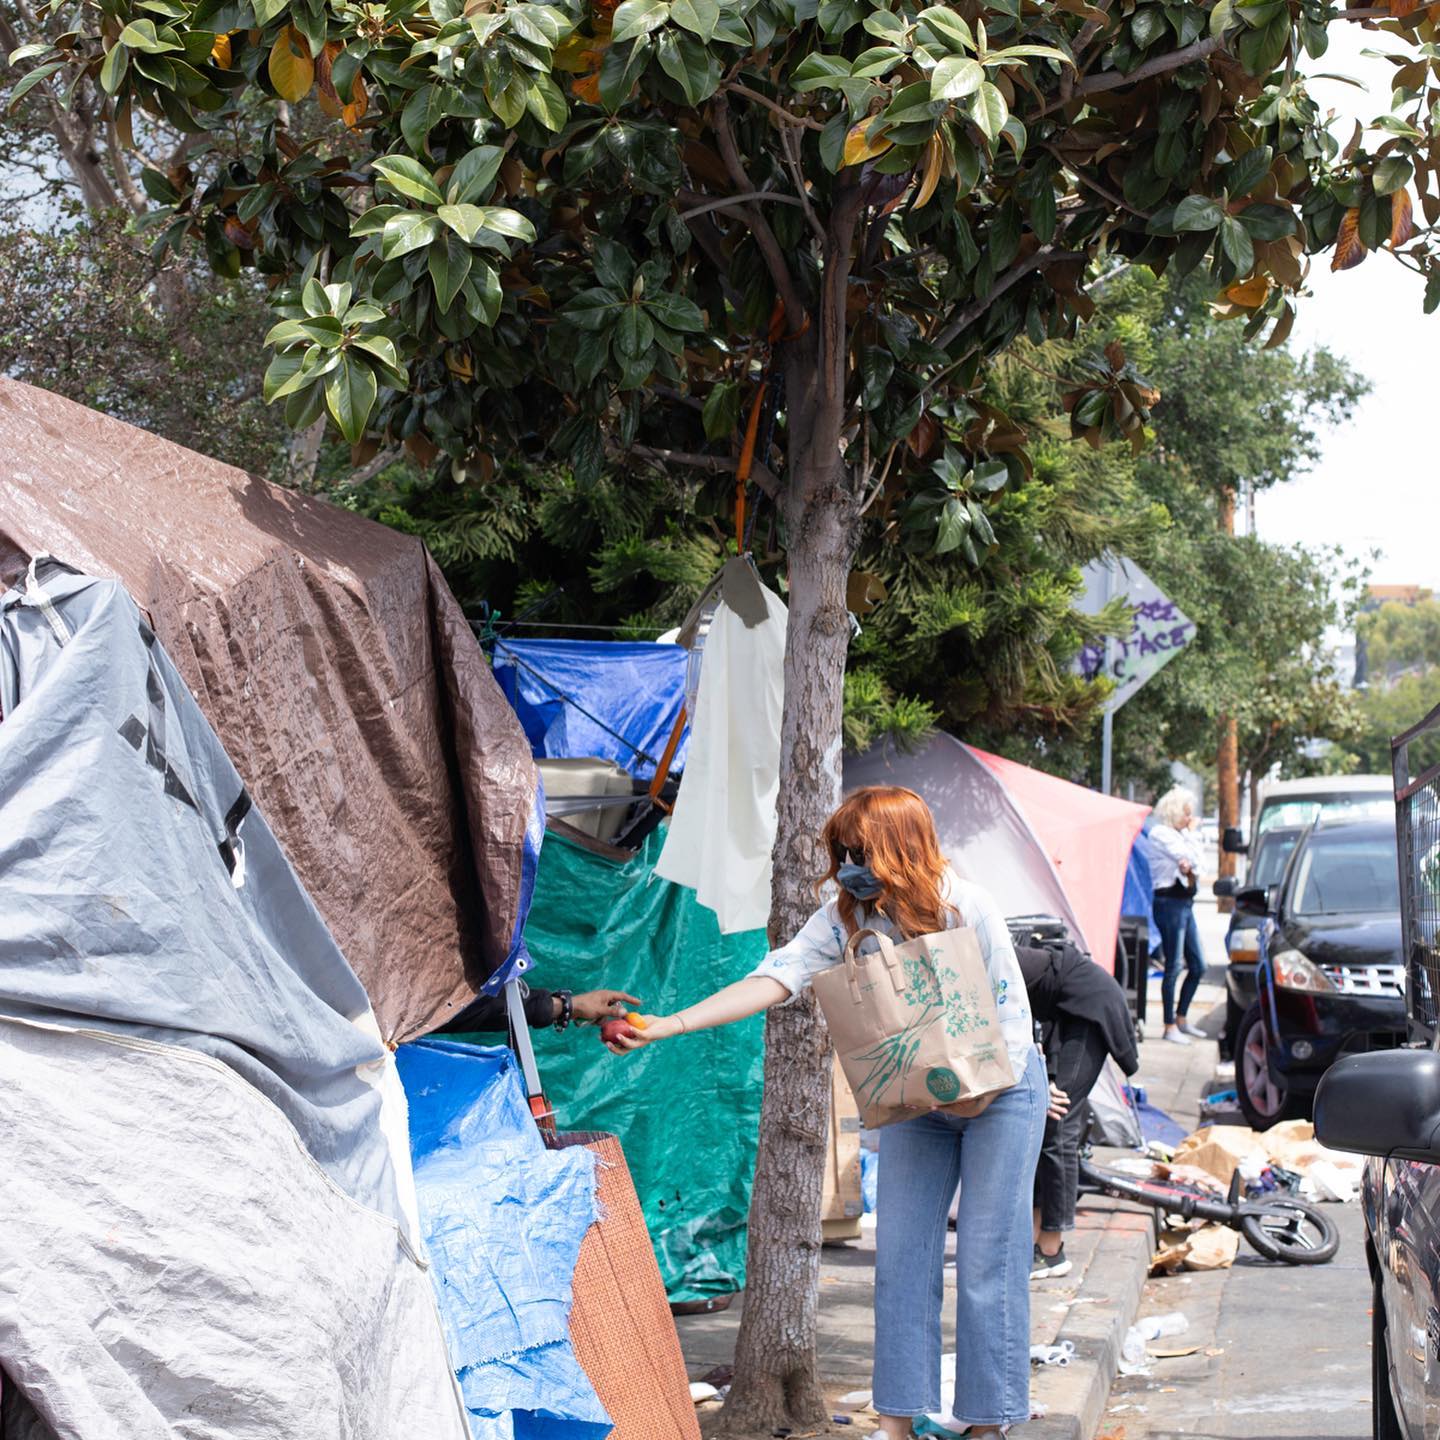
<point x="487" y="1012"/>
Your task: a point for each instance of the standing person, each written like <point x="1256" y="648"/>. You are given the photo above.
<point x="885" y="857"/>
<point x="1084" y="1017"/>
<point x="1174" y="871"/>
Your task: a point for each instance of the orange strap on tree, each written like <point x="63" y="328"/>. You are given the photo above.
<point x="746" y="462"/>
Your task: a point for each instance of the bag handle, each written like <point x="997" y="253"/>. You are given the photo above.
<point x="887" y="953"/>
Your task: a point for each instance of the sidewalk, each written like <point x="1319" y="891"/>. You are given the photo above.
<point x="1093" y="1306"/>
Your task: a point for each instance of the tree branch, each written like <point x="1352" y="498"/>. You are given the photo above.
<point x="761" y="474"/>
<point x="759" y="227"/>
<point x="1114" y="80"/>
<point x="372" y="467"/>
<point x="803" y="122"/>
<point x="790" y="148"/>
<point x="738" y="202"/>
<point x="1102" y="191"/>
<point x="1046" y="255"/>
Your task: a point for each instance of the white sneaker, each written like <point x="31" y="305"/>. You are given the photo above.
<point x="1177" y="1037"/>
<point x="1194" y="1031"/>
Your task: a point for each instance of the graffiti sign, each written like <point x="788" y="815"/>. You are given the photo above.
<point x="1159" y="632"/>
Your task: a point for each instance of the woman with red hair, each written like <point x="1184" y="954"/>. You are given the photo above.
<point x="890" y="875"/>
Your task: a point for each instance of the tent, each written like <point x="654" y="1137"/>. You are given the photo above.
<point x="339" y="673"/>
<point x="1039" y="844"/>
<point x="209" y="1225"/>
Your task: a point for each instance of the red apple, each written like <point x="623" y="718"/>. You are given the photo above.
<point x="617" y="1029"/>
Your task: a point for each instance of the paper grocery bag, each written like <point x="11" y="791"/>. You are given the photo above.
<point x="915" y="1025"/>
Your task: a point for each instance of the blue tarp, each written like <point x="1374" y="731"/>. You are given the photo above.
<point x="1138" y="897"/>
<point x="503" y="1218"/>
<point x="577" y="698"/>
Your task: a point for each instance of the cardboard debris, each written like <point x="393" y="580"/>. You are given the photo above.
<point x="1213" y="1248"/>
<point x="1221" y="1150"/>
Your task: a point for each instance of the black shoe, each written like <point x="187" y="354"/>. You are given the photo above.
<point x="1049" y="1267"/>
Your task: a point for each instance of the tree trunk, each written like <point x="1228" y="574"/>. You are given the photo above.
<point x="1227" y="760"/>
<point x="777" y="1381"/>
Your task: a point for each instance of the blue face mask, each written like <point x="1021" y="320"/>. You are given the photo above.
<point x="860" y="881"/>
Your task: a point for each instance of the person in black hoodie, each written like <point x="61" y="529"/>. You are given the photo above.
<point x="1083" y="1017"/>
<point x="559" y="1008"/>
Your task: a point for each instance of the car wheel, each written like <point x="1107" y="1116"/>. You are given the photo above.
<point x="1384" y="1422"/>
<point x="1264" y="1101"/>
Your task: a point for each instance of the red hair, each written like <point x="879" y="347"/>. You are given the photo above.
<point x="895" y="831"/>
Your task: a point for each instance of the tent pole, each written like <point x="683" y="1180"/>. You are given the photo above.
<point x="525" y="1053"/>
<point x="1107" y="721"/>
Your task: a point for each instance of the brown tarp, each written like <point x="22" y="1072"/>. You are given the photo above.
<point x="336" y="667"/>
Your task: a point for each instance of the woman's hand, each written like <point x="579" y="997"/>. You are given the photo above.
<point x="966" y="1109"/>
<point x="593" y="1006"/>
<point x="655" y="1027"/>
<point x="1059" y="1103"/>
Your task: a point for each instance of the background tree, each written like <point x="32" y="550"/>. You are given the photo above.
<point x="597" y="231"/>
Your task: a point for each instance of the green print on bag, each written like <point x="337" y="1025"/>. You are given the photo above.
<point x="891" y="1060"/>
<point x="943" y="1083"/>
<point x="921" y="986"/>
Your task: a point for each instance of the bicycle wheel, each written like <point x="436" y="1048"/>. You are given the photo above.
<point x="1291" y="1231"/>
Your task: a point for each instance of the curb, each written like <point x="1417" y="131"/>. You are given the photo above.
<point x="1112" y="1287"/>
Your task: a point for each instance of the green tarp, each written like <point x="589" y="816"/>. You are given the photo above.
<point x="686" y="1111"/>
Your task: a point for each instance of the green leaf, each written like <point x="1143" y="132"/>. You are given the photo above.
<point x="425" y="109"/>
<point x="509" y="101"/>
<point x="690" y="65"/>
<point x="546" y="102"/>
<point x="980" y="523"/>
<point x="143" y="36"/>
<point x="637" y="17"/>
<point x="1432" y="292"/>
<point x="721" y="411"/>
<point x="1260" y="51"/>
<point x="940" y="26"/>
<point x="699" y="17"/>
<point x="350" y="396"/>
<point x="409" y="177"/>
<point x="635" y="333"/>
<point x="1235" y="241"/>
<point x="31" y="80"/>
<point x="818" y="72"/>
<point x="1147" y="25"/>
<point x="29" y="52"/>
<point x="1393" y="173"/>
<point x="374" y="220"/>
<point x="112" y="72"/>
<point x="1265" y="221"/>
<point x="315" y="300"/>
<point x="675" y="312"/>
<point x="483" y="294"/>
<point x="267" y="10"/>
<point x="380" y="346"/>
<point x="953" y="525"/>
<point x="955" y="77"/>
<point x="509" y="223"/>
<point x="1247" y="171"/>
<point x="281" y="370"/>
<point x="406" y="232"/>
<point x="620" y="69"/>
<point x="474" y="174"/>
<point x="1197" y="212"/>
<point x="989" y="111"/>
<point x="989" y="476"/>
<point x="449" y="265"/>
<point x="593" y="309"/>
<point x="590" y="354"/>
<point x="877" y="61"/>
<point x="542" y="25"/>
<point x="467" y="221"/>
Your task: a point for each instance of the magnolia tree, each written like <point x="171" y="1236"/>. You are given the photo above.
<point x="775" y="236"/>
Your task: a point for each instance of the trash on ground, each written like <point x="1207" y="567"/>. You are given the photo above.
<point x="1287" y="1157"/>
<point x="1179" y="1354"/>
<point x="1213" y="1248"/>
<point x="1156" y="1126"/>
<point x="1327" y="1181"/>
<point x="1221" y="1150"/>
<point x="856" y="1399"/>
<point x="1061" y="1354"/>
<point x="701" y="1393"/>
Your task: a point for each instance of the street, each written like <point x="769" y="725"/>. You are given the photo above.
<point x="1275" y="1350"/>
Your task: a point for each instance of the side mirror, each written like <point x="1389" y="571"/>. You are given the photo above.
<point x="1232" y="842"/>
<point x="1386" y="1103"/>
<point x="1251" y="900"/>
<point x="1226" y="887"/>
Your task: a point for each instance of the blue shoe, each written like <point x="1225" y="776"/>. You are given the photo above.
<point x="924" y="1425"/>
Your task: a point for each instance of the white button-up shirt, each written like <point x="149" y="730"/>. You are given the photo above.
<point x="1171" y="847"/>
<point x="820" y="946"/>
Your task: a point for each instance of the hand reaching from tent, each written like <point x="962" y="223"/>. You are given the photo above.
<point x="593" y="1006"/>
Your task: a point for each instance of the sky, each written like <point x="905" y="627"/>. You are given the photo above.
<point x="1371" y="489"/>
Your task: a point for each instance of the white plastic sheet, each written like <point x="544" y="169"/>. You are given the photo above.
<point x="723" y="829"/>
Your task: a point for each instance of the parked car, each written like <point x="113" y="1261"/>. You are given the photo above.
<point x="1293" y="804"/>
<point x="1242" y="939"/>
<point x="1330" y="979"/>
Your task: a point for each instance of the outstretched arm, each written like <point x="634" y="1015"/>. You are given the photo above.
<point x="735" y="1002"/>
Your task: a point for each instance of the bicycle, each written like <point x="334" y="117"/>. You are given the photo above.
<point x="1278" y="1227"/>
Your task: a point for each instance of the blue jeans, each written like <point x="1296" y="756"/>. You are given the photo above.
<point x="1180" y="939"/>
<point x="992" y="1158"/>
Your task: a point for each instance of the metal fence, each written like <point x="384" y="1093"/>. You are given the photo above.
<point x="1417" y="830"/>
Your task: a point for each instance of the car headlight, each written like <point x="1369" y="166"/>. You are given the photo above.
<point x="1294" y="972"/>
<point x="1244" y="944"/>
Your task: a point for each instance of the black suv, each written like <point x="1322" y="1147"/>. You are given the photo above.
<point x="1331" y="979"/>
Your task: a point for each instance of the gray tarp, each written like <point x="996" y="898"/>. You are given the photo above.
<point x="173" y="1266"/>
<point x="178" y="1246"/>
<point x="339" y="672"/>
